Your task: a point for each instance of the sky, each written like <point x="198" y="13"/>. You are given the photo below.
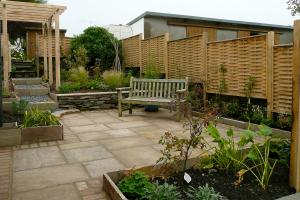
<point x="82" y="14"/>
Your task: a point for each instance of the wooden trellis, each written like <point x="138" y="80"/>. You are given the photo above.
<point x="44" y="14"/>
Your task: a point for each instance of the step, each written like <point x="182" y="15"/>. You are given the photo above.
<point x="48" y="105"/>
<point x="31" y="90"/>
<point x="25" y="81"/>
<point x="26" y="62"/>
<point x="24" y="66"/>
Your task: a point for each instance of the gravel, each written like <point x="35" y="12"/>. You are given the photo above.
<point x="35" y="98"/>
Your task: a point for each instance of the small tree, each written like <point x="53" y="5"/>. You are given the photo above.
<point x="98" y="43"/>
<point x="294" y="6"/>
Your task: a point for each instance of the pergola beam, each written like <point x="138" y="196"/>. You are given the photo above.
<point x="50" y="64"/>
<point x="57" y="51"/>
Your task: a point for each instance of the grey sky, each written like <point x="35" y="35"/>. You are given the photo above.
<point x="83" y="13"/>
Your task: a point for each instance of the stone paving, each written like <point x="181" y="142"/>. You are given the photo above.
<point x="95" y="143"/>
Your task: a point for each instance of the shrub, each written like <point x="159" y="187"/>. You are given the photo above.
<point x="135" y="185"/>
<point x="69" y="87"/>
<point x="78" y="58"/>
<point x="36" y="117"/>
<point x="203" y="193"/>
<point x="114" y="79"/>
<point x="96" y="84"/>
<point x="79" y="75"/>
<point x="151" y="71"/>
<point x="232" y="109"/>
<point x="20" y="107"/>
<point x="162" y="192"/>
<point x="64" y="75"/>
<point x="97" y="42"/>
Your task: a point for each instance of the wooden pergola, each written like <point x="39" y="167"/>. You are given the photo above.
<point x="44" y="14"/>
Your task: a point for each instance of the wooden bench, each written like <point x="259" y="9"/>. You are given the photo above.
<point x="160" y="92"/>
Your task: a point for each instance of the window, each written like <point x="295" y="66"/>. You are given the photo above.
<point x="223" y="34"/>
<point x="253" y="33"/>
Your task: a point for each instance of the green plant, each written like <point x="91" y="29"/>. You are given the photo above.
<point x="98" y="43"/>
<point x="203" y="193"/>
<point x="135" y="185"/>
<point x="96" y="84"/>
<point x="228" y="151"/>
<point x="232" y="109"/>
<point x="151" y="71"/>
<point x="64" y="75"/>
<point x="177" y="149"/>
<point x="36" y="117"/>
<point x="281" y="150"/>
<point x="260" y="165"/>
<point x="79" y="75"/>
<point x="78" y="58"/>
<point x="114" y="79"/>
<point x="19" y="107"/>
<point x="249" y="87"/>
<point x="284" y="121"/>
<point x="69" y="87"/>
<point x="162" y="192"/>
<point x="222" y="85"/>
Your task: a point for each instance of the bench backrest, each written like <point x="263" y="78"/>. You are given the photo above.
<point x="156" y="88"/>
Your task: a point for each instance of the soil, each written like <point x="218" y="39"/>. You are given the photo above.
<point x="8" y="118"/>
<point x="223" y="183"/>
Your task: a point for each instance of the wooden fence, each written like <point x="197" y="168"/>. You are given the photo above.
<point x="256" y="56"/>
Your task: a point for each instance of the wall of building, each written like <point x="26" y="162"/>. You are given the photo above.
<point x="138" y="27"/>
<point x="158" y="26"/>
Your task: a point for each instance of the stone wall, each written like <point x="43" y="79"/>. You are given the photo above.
<point x="87" y="101"/>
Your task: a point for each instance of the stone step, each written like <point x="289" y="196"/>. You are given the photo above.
<point x="27" y="81"/>
<point x="24" y="67"/>
<point x="31" y="90"/>
<point x="48" y="105"/>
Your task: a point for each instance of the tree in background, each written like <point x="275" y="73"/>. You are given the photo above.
<point x="98" y="43"/>
<point x="294" y="6"/>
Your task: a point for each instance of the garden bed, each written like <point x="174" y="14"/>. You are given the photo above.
<point x="10" y="135"/>
<point x="221" y="181"/>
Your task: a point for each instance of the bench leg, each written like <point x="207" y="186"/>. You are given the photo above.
<point x="130" y="109"/>
<point x="178" y="114"/>
<point x="120" y="109"/>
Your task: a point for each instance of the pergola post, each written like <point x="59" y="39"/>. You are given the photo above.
<point x="50" y="52"/>
<point x="5" y="47"/>
<point x="44" y="32"/>
<point x="295" y="138"/>
<point x="57" y="51"/>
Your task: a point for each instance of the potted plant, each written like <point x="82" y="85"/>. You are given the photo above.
<point x="151" y="72"/>
<point x="40" y="126"/>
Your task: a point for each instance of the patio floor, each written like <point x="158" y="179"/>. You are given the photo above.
<point x="95" y="143"/>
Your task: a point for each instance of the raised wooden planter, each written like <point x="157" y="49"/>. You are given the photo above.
<point x="41" y="134"/>
<point x="10" y="135"/>
<point x="111" y="179"/>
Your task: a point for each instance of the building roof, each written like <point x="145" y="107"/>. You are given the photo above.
<point x="206" y="19"/>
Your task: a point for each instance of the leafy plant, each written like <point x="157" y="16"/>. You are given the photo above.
<point x="135" y="185"/>
<point x="228" y="151"/>
<point x="176" y="148"/>
<point x="232" y="109"/>
<point x="19" y="107"/>
<point x="79" y="75"/>
<point x="151" y="71"/>
<point x="114" y="79"/>
<point x="96" y="84"/>
<point x="222" y="85"/>
<point x="281" y="150"/>
<point x="98" y="43"/>
<point x="261" y="166"/>
<point x="36" y="117"/>
<point x="78" y="58"/>
<point x="162" y="192"/>
<point x="203" y="193"/>
<point x="249" y="87"/>
<point x="69" y="87"/>
<point x="294" y="6"/>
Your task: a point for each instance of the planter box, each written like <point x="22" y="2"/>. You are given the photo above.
<point x="41" y="134"/>
<point x="7" y="104"/>
<point x="111" y="179"/>
<point x="10" y="135"/>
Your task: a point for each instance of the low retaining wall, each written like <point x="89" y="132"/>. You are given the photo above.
<point x="87" y="101"/>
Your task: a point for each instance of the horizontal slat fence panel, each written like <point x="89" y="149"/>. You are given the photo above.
<point x="131" y="51"/>
<point x="185" y="58"/>
<point x="241" y="58"/>
<point x="153" y="51"/>
<point x="282" y="79"/>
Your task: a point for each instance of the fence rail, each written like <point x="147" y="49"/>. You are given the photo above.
<point x="269" y="65"/>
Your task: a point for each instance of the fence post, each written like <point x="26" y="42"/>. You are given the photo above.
<point x="37" y="54"/>
<point x="140" y="54"/>
<point x="166" y="61"/>
<point x="270" y="56"/>
<point x="205" y="71"/>
<point x="295" y="138"/>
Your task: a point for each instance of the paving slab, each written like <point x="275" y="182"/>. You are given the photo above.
<point x="88" y="128"/>
<point x="78" y="145"/>
<point x="93" y="136"/>
<point x="61" y="192"/>
<point x="46" y="177"/>
<point x="128" y="124"/>
<point x="98" y="167"/>
<point x="137" y="156"/>
<point x="121" y="132"/>
<point x="86" y="154"/>
<point x="116" y="143"/>
<point x="37" y="157"/>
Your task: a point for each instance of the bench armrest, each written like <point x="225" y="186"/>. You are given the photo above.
<point x="123" y="88"/>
